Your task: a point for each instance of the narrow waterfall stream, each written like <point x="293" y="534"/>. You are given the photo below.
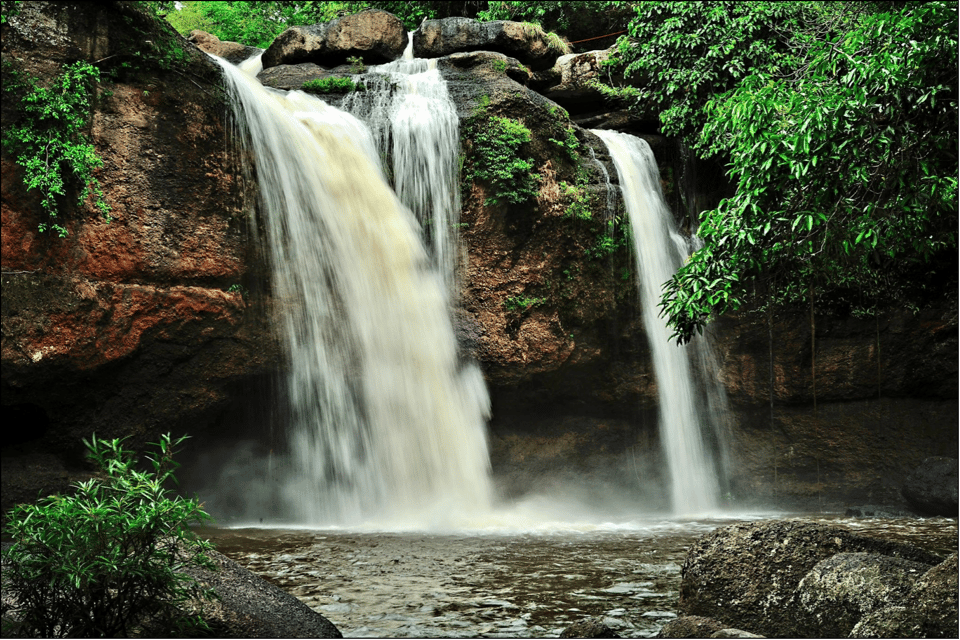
<point x="385" y="423"/>
<point x="659" y="252"/>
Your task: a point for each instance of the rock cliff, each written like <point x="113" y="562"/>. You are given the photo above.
<point x="135" y="326"/>
<point x="140" y="325"/>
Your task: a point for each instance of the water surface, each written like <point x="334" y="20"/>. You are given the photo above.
<point x="504" y="580"/>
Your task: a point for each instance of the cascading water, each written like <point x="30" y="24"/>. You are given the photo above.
<point x="659" y="252"/>
<point x="415" y="123"/>
<point x="386" y="423"/>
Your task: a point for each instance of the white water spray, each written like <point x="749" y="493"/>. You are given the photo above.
<point x="386" y="424"/>
<point x="659" y="252"/>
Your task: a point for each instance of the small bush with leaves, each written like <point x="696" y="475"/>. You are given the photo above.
<point x="519" y="304"/>
<point x="49" y="139"/>
<point x="331" y="85"/>
<point x="108" y="558"/>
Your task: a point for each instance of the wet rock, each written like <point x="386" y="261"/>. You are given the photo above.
<point x="839" y="591"/>
<point x="747" y="574"/>
<point x="438" y="38"/>
<point x="589" y="628"/>
<point x="931" y="488"/>
<point x="699" y="627"/>
<point x="928" y="611"/>
<point x="251" y="607"/>
<point x="373" y="35"/>
<point x="734" y="633"/>
<point x="232" y="52"/>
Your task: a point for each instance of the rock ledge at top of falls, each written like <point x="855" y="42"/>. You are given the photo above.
<point x="232" y="52"/>
<point x="439" y="38"/>
<point x="375" y="36"/>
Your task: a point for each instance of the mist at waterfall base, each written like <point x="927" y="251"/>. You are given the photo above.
<point x="380" y="422"/>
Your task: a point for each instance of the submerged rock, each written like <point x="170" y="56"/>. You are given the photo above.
<point x="589" y="628"/>
<point x="698" y="627"/>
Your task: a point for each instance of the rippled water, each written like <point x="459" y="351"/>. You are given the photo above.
<point x="504" y="582"/>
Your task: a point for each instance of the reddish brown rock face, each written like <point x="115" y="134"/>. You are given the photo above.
<point x="124" y="327"/>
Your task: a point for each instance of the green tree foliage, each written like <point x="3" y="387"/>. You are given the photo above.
<point x="49" y="138"/>
<point x="838" y="125"/>
<point x="109" y="557"/>
<point x="257" y="23"/>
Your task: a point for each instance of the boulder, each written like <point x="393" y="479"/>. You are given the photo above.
<point x="232" y="52"/>
<point x="928" y="611"/>
<point x="931" y="488"/>
<point x="529" y="45"/>
<point x="250" y="607"/>
<point x="840" y="590"/>
<point x="574" y="79"/>
<point x="589" y="628"/>
<point x="373" y="35"/>
<point x="291" y="76"/>
<point x="747" y="574"/>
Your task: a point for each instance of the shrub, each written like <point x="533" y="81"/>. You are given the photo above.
<point x="108" y="558"/>
<point x="331" y="85"/>
<point x="519" y="304"/>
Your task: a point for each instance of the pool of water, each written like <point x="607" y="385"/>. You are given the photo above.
<point x="505" y="581"/>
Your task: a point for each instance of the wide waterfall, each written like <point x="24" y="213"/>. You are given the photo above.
<point x="387" y="422"/>
<point x="685" y="413"/>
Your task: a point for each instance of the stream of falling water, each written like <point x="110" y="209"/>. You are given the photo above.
<point x="386" y="423"/>
<point x="659" y="252"/>
<point x="414" y="123"/>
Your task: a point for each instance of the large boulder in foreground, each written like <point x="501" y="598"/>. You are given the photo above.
<point x="746" y="575"/>
<point x="528" y="44"/>
<point x="250" y="607"/>
<point x="375" y="36"/>
<point x="931" y="488"/>
<point x="839" y="591"/>
<point x="928" y="611"/>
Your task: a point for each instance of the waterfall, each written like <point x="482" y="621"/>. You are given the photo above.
<point x="414" y="122"/>
<point x="659" y="252"/>
<point x="386" y="422"/>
